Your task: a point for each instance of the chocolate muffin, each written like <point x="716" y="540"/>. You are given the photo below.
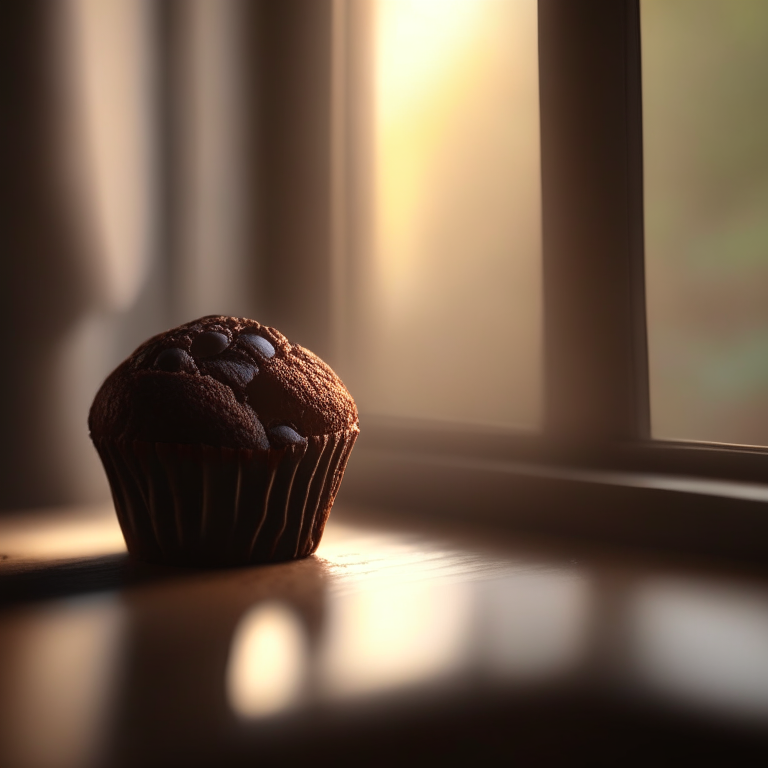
<point x="223" y="444"/>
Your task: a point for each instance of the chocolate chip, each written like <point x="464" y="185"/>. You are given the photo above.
<point x="284" y="435"/>
<point x="258" y="344"/>
<point x="209" y="343"/>
<point x="232" y="372"/>
<point x="174" y="360"/>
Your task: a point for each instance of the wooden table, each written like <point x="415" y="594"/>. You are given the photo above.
<point x="396" y="644"/>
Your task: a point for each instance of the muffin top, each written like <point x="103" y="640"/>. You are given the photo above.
<point x="222" y="381"/>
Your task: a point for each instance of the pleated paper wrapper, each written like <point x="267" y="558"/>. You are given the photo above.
<point x="202" y="505"/>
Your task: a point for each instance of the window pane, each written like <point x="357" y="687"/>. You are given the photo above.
<point x="705" y="105"/>
<point x="453" y="291"/>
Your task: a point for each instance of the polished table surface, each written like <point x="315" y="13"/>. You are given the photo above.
<point x="396" y="643"/>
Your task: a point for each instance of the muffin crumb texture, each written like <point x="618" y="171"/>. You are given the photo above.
<point x="221" y="381"/>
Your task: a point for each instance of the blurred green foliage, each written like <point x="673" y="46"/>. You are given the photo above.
<point x="705" y="121"/>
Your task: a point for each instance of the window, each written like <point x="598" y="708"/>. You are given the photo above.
<point x="596" y="405"/>
<point x="451" y="269"/>
<point x="706" y="198"/>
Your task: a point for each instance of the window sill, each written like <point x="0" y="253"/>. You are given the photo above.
<point x="633" y="495"/>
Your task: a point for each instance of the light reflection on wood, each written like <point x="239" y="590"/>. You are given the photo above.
<point x="385" y="618"/>
<point x="41" y="535"/>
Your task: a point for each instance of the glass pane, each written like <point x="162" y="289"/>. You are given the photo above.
<point x="705" y="105"/>
<point x="453" y="291"/>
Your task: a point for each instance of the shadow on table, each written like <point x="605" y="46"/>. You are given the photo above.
<point x="25" y="581"/>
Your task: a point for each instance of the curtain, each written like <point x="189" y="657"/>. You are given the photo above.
<point x="129" y="206"/>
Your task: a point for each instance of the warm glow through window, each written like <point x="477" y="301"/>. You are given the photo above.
<point x="454" y="286"/>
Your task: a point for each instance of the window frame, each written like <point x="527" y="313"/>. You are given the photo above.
<point x="591" y="108"/>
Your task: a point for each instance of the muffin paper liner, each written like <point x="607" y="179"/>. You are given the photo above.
<point x="203" y="505"/>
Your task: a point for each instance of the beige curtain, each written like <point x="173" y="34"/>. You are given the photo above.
<point x="126" y="172"/>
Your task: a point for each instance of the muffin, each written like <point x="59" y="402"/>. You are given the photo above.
<point x="223" y="444"/>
